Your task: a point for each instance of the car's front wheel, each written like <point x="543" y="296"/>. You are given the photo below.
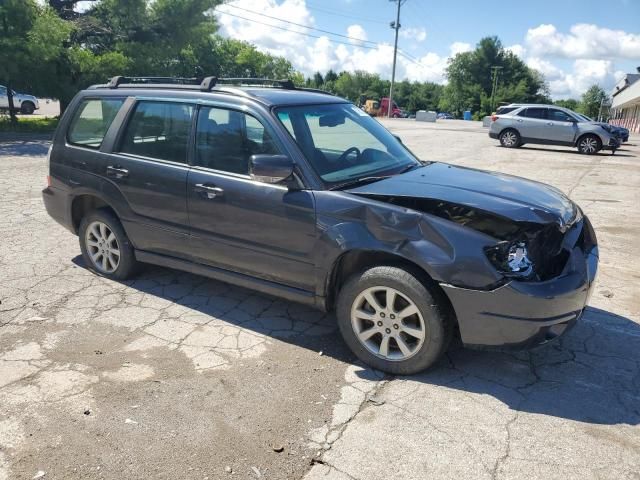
<point x="392" y="321"/>
<point x="106" y="249"/>
<point x="589" y="145"/>
<point x="510" y="138"/>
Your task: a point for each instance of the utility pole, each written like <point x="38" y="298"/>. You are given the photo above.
<point x="396" y="26"/>
<point x="495" y="71"/>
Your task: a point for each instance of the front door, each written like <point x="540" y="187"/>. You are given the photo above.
<point x="149" y="169"/>
<point x="562" y="127"/>
<point x="259" y="229"/>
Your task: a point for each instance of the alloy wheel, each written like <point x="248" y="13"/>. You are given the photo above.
<point x="589" y="145"/>
<point x="102" y="247"/>
<point x="388" y="323"/>
<point x="509" y="139"/>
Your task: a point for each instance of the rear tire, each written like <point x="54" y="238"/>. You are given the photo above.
<point x="402" y="338"/>
<point x="106" y="249"/>
<point x="589" y="144"/>
<point x="510" y="138"/>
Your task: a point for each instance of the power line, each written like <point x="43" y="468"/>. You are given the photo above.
<point x="303" y="26"/>
<point x="345" y="15"/>
<point x="372" y="47"/>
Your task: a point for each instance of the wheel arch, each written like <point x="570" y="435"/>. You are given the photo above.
<point x="84" y="203"/>
<point x="593" y="134"/>
<point x="357" y="260"/>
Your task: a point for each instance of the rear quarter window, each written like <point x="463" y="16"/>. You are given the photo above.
<point x="91" y="121"/>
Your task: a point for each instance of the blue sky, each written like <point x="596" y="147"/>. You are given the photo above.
<point x="573" y="42"/>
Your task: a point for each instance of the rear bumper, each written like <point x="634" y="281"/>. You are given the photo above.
<point x="526" y="314"/>
<point x="493" y="135"/>
<point x="56" y="202"/>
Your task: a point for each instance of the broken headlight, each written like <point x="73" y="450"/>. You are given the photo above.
<point x="511" y="259"/>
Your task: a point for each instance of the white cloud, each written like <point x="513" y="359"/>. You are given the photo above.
<point x="459" y="47"/>
<point x="584" y="41"/>
<point x="417" y="34"/>
<point x="517" y="49"/>
<point x="309" y="54"/>
<point x="571" y="62"/>
<point x="357" y="32"/>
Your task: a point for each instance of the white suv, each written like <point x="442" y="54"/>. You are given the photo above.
<point x="551" y="125"/>
<point x="25" y="104"/>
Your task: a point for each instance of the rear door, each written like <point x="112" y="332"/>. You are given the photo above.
<point x="532" y="123"/>
<point x="149" y="167"/>
<point x="562" y="127"/>
<point x="259" y="229"/>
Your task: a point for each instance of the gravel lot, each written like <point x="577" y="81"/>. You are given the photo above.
<point x="176" y="376"/>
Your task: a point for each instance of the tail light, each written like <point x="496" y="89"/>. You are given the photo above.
<point x="494" y="118"/>
<point x="48" y="180"/>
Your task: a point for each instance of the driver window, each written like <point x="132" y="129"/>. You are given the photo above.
<point x="226" y="139"/>
<point x="559" y="116"/>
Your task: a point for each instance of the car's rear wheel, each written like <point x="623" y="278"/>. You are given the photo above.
<point x="392" y="321"/>
<point x="509" y="138"/>
<point x="106" y="249"/>
<point x="27" y="108"/>
<point x="589" y="145"/>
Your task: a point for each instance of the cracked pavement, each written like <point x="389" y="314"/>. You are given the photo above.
<point x="172" y="375"/>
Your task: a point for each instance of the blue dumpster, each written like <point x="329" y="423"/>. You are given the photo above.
<point x="467" y="115"/>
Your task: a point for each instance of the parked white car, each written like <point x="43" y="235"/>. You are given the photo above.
<point x="25" y="104"/>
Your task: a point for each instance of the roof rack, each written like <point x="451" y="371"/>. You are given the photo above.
<point x="205" y="84"/>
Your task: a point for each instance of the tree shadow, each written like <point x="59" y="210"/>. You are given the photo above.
<point x="32" y="146"/>
<point x="591" y="375"/>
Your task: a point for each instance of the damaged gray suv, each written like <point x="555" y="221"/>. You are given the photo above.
<point x="301" y="194"/>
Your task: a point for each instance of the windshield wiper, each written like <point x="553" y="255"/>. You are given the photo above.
<point x="358" y="181"/>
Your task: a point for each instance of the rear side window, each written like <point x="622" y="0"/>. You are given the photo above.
<point x="159" y="130"/>
<point x="505" y="110"/>
<point x="534" y="112"/>
<point x="92" y="120"/>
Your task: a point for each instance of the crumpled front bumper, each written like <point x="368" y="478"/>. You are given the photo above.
<point x="526" y="314"/>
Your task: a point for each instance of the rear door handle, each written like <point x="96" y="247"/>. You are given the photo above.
<point x="210" y="191"/>
<point x="519" y="120"/>
<point x="549" y="123"/>
<point x="115" y="171"/>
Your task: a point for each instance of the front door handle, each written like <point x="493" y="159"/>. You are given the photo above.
<point x="549" y="123"/>
<point x="115" y="171"/>
<point x="211" y="191"/>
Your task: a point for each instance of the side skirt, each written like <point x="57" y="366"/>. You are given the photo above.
<point x="239" y="279"/>
<point x="539" y="141"/>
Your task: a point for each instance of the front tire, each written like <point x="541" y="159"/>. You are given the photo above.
<point x="106" y="249"/>
<point x="509" y="138"/>
<point x="392" y="321"/>
<point x="589" y="145"/>
<point x="27" y="108"/>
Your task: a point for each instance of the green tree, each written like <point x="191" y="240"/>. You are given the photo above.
<point x="570" y="103"/>
<point x="471" y="80"/>
<point x="591" y="101"/>
<point x="16" y="20"/>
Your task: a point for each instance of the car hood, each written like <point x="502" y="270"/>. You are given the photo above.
<point x="506" y="196"/>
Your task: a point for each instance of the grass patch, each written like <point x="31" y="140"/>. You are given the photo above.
<point x="29" y="124"/>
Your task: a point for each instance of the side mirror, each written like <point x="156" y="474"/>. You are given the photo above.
<point x="270" y="168"/>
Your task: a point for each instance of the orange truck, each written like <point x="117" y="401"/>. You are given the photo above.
<point x="381" y="108"/>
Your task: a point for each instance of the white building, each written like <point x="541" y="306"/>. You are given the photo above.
<point x="625" y="106"/>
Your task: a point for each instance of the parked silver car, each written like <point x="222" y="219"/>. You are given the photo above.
<point x="25" y="104"/>
<point x="551" y="125"/>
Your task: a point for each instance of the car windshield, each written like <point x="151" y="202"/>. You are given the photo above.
<point x="583" y="117"/>
<point x="343" y="143"/>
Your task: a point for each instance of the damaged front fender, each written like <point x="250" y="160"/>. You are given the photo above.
<point x="448" y="252"/>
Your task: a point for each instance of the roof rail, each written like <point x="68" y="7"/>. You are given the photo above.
<point x="116" y="81"/>
<point x="205" y="84"/>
